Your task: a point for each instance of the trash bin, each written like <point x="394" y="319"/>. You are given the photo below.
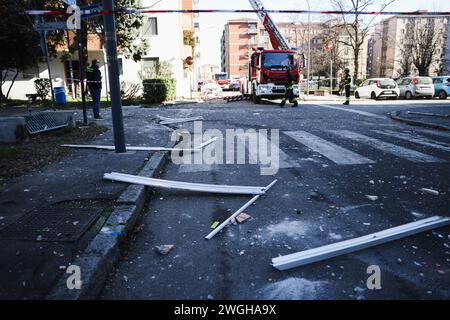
<point x="60" y="95"/>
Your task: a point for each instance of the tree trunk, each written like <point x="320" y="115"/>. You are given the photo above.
<point x="12" y="83"/>
<point x="3" y="76"/>
<point x="356" y="57"/>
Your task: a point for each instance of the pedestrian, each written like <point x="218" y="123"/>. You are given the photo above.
<point x="94" y="82"/>
<point x="347" y="84"/>
<point x="291" y="81"/>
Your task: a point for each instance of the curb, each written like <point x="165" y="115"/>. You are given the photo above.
<point x="102" y="253"/>
<point x="394" y="115"/>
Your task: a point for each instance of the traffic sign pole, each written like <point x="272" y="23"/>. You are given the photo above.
<point x="44" y="48"/>
<point x="113" y="71"/>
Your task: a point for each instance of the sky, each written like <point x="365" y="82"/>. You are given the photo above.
<point x="212" y="24"/>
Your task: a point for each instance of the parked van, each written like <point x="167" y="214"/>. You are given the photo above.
<point x="414" y="87"/>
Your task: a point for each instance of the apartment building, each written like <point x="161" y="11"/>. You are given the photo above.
<point x="157" y="29"/>
<point x="239" y="38"/>
<point x="241" y="35"/>
<point x="392" y="42"/>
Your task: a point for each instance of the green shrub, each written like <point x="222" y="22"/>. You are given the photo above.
<point x="42" y="87"/>
<point x="159" y="90"/>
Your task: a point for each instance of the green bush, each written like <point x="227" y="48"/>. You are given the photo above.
<point x="159" y="90"/>
<point x="42" y="87"/>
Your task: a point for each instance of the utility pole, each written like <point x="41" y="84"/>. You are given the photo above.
<point x="43" y="36"/>
<point x="81" y="71"/>
<point x="109" y="22"/>
<point x="69" y="56"/>
<point x="309" y="46"/>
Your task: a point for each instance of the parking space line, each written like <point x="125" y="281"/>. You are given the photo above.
<point x="364" y="113"/>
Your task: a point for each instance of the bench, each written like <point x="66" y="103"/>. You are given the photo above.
<point x="32" y="97"/>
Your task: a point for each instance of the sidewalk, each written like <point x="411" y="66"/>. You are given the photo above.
<point x="48" y="216"/>
<point x="430" y="117"/>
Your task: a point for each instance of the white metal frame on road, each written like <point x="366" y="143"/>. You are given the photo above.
<point x="165" y="120"/>
<point x="140" y="148"/>
<point x="198" y="187"/>
<point x="238" y="212"/>
<point x="347" y="246"/>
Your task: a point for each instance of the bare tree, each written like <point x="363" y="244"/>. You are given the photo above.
<point x="422" y="44"/>
<point x="355" y="27"/>
<point x="405" y="49"/>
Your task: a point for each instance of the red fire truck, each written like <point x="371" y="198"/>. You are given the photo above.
<point x="267" y="68"/>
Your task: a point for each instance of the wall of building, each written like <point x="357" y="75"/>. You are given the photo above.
<point x="239" y="36"/>
<point x="446" y="70"/>
<point x="389" y="35"/>
<point x="170" y="26"/>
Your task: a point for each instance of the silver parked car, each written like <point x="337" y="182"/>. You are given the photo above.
<point x="413" y="87"/>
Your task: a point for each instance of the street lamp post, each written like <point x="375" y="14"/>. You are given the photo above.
<point x="309" y="48"/>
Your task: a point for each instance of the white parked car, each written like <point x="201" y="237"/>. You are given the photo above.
<point x="378" y="88"/>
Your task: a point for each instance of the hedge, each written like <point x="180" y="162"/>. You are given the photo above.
<point x="159" y="90"/>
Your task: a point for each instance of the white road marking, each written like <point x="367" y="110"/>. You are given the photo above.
<point x="398" y="151"/>
<point x="435" y="133"/>
<point x="364" y="113"/>
<point x="284" y="161"/>
<point x="328" y="149"/>
<point x="415" y="139"/>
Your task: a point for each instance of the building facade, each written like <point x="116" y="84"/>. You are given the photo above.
<point x="157" y="29"/>
<point x="240" y="36"/>
<point x="392" y="41"/>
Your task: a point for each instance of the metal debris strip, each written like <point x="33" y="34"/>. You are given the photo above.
<point x="348" y="246"/>
<point x="196" y="187"/>
<point x="141" y="148"/>
<point x="51" y="225"/>
<point x="238" y="212"/>
<point x="164" y="120"/>
<point x="42" y="122"/>
<point x="241" y="97"/>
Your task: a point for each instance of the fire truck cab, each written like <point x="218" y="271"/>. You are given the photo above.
<point x="267" y="73"/>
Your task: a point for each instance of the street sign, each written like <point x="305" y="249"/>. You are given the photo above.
<point x="91" y="11"/>
<point x="189" y="60"/>
<point x="49" y="26"/>
<point x="70" y="2"/>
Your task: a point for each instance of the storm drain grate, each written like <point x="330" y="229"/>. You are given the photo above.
<point x="51" y="224"/>
<point x="43" y="121"/>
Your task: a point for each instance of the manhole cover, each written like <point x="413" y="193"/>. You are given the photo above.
<point x="51" y="224"/>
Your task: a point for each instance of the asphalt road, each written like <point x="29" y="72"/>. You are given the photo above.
<point x="331" y="159"/>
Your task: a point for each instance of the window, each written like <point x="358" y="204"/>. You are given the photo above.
<point x="438" y="80"/>
<point x="149" y="66"/>
<point x="150" y="27"/>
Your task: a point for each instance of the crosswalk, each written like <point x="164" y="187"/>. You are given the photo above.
<point x="346" y="147"/>
<point x="402" y="152"/>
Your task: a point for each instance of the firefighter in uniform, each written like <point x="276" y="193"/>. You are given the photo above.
<point x="347" y="85"/>
<point x="291" y="81"/>
<point x="94" y="82"/>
